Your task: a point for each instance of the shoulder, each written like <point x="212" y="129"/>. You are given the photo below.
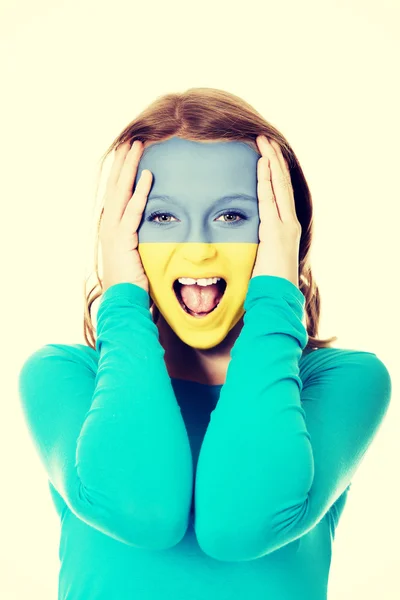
<point x="59" y="355"/>
<point x="54" y="374"/>
<point x="331" y="364"/>
<point x="329" y="357"/>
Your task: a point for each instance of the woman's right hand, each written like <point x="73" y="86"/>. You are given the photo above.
<point x="122" y="215"/>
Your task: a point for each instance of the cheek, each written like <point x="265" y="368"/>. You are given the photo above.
<point x="155" y="258"/>
<point x="241" y="259"/>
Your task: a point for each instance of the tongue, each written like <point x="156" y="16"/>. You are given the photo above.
<point x="199" y="298"/>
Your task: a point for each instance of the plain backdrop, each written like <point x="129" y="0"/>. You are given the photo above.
<point x="73" y="75"/>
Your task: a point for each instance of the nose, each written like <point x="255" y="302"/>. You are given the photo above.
<point x="197" y="253"/>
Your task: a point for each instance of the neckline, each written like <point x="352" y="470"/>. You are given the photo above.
<point x="208" y="385"/>
<point x="219" y="385"/>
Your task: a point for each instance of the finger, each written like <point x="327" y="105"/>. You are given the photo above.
<point x="119" y="157"/>
<point x="129" y="168"/>
<point x="118" y="195"/>
<point x="267" y="206"/>
<point x="135" y="208"/>
<point x="280" y="180"/>
<point x="282" y="161"/>
<point x="285" y="184"/>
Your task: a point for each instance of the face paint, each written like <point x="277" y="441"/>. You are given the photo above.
<point x="207" y="226"/>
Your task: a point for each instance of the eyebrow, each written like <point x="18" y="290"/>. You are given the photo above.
<point x="226" y="198"/>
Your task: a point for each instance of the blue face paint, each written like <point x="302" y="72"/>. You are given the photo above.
<point x="205" y="194"/>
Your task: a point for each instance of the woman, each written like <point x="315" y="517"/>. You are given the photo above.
<point x="200" y="447"/>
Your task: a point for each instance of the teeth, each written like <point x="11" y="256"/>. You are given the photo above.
<point x="202" y="282"/>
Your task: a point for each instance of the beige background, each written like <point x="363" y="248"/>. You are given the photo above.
<point x="73" y="75"/>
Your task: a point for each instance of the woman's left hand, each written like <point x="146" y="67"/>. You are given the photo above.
<point x="279" y="230"/>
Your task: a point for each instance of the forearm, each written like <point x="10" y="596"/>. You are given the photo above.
<point x="133" y="453"/>
<point x="256" y="459"/>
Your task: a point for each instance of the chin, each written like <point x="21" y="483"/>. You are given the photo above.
<point x="208" y="342"/>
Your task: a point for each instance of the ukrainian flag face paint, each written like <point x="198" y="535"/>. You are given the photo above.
<point x="205" y="194"/>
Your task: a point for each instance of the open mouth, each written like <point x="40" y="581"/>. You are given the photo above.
<point x="177" y="289"/>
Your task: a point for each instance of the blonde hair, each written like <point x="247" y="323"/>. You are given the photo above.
<point x="207" y="114"/>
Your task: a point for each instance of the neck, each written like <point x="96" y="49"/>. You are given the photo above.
<point x="186" y="362"/>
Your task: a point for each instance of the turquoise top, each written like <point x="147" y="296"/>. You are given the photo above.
<point x="171" y="489"/>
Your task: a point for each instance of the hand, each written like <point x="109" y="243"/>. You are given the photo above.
<point x="121" y="219"/>
<point x="279" y="231"/>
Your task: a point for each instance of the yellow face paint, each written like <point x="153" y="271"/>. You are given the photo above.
<point x="166" y="262"/>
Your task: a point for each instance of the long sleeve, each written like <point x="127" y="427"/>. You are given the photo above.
<point x="112" y="439"/>
<point x="280" y="450"/>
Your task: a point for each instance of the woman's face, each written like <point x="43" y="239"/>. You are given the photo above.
<point x="194" y="185"/>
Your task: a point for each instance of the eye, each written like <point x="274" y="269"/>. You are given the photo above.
<point x="234" y="213"/>
<point x="159" y="213"/>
